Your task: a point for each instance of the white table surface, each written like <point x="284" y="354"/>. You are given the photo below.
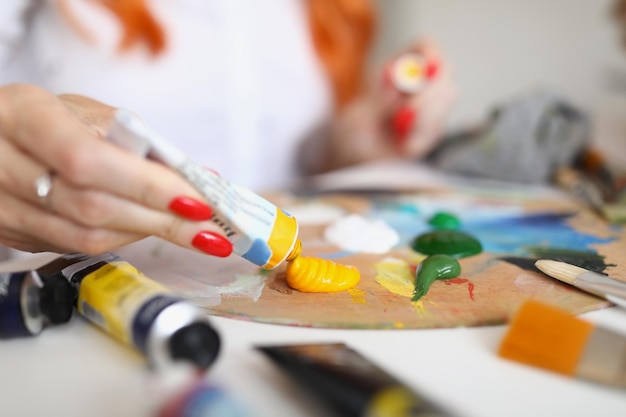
<point x="77" y="370"/>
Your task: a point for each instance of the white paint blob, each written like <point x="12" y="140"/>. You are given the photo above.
<point x="355" y="233"/>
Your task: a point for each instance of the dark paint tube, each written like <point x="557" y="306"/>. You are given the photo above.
<point x="29" y="302"/>
<point x="141" y="313"/>
<point x="348" y="383"/>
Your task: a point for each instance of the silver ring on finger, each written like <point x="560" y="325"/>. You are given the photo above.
<point x="43" y="188"/>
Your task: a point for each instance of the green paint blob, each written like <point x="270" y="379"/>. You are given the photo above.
<point x="444" y="221"/>
<point x="432" y="268"/>
<point x="447" y="242"/>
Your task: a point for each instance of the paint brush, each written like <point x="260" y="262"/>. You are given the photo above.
<point x="580" y="187"/>
<point x="597" y="284"/>
<point x="550" y="338"/>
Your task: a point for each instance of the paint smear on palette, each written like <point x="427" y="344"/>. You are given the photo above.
<point x="185" y="272"/>
<point x="412" y="216"/>
<point x="524" y="234"/>
<point x="244" y="285"/>
<point x="395" y="275"/>
<point x="528" y="283"/>
<point x="470" y="286"/>
<point x="588" y="259"/>
<point x="501" y="229"/>
<point x="358" y="296"/>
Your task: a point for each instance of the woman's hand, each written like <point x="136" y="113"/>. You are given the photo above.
<point x="387" y="122"/>
<point x="99" y="196"/>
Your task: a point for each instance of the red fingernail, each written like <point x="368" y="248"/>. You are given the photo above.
<point x="432" y="69"/>
<point x="402" y="123"/>
<point x="213" y="244"/>
<point x="190" y="208"/>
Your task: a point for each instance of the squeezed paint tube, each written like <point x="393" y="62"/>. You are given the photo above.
<point x="140" y="312"/>
<point x="29" y="303"/>
<point x="259" y="231"/>
<point x="348" y="383"/>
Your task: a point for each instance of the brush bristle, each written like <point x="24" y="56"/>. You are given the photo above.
<point x="560" y="270"/>
<point x="546" y="337"/>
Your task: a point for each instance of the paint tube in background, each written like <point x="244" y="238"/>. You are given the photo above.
<point x="410" y="73"/>
<point x="142" y="313"/>
<point x="29" y="303"/>
<point x="259" y="231"/>
<point x="348" y="383"/>
<point x="181" y="392"/>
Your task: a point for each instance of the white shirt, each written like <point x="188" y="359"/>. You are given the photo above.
<point x="238" y="87"/>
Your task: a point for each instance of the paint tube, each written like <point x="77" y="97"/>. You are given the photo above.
<point x="181" y="392"/>
<point x="28" y="304"/>
<point x="259" y="231"/>
<point x="410" y="72"/>
<point x="203" y="399"/>
<point x="142" y="313"/>
<point x="348" y="383"/>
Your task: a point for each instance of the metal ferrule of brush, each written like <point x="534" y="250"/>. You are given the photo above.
<point x="604" y="358"/>
<point x="602" y="286"/>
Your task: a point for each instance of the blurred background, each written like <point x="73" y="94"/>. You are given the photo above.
<point x="500" y="49"/>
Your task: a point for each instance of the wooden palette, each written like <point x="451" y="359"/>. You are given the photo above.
<point x="488" y="291"/>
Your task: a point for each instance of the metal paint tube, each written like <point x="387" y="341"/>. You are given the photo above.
<point x="259" y="231"/>
<point x="28" y="304"/>
<point x="142" y="313"/>
<point x="348" y="383"/>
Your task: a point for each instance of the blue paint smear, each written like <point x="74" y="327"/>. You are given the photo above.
<point x="407" y="224"/>
<point x="516" y="235"/>
<point x="500" y="234"/>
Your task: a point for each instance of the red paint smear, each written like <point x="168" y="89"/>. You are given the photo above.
<point x="455" y="281"/>
<point x="470" y="288"/>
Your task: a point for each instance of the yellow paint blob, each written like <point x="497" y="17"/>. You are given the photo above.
<point x="358" y="296"/>
<point x="395" y="275"/>
<point x="419" y="307"/>
<point x="309" y="274"/>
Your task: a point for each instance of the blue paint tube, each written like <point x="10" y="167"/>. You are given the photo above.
<point x="180" y="391"/>
<point x="140" y="312"/>
<point x="203" y="399"/>
<point x="28" y="304"/>
<point x="348" y="383"/>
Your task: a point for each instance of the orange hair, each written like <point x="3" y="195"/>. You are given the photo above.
<point x="341" y="31"/>
<point x="139" y="24"/>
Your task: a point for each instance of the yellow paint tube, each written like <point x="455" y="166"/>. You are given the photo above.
<point x="260" y="232"/>
<point x="141" y="313"/>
